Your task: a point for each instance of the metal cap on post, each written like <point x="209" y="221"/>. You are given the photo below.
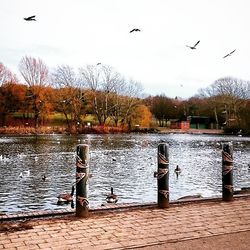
<point x="227" y="171"/>
<point x="163" y="175"/>
<point x="82" y="174"/>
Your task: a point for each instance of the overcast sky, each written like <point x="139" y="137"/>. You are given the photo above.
<point x="80" y="32"/>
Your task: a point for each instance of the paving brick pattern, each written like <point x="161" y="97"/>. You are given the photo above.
<point x="134" y="228"/>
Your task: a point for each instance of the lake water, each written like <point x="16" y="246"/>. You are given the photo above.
<point x="130" y="173"/>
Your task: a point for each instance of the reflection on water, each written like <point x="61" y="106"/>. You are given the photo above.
<point x="125" y="162"/>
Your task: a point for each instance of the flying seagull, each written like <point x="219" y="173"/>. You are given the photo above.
<point x="134" y="30"/>
<point x="30" y="18"/>
<point x="193" y="47"/>
<point x="229" y="54"/>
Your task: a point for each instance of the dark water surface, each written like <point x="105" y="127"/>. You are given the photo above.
<point x="130" y="174"/>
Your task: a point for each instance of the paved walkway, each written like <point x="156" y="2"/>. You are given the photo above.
<point x="186" y="226"/>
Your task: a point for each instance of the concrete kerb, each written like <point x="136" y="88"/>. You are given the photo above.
<point x="114" y="208"/>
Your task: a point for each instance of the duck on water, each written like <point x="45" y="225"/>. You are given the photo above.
<point x="66" y="197"/>
<point x="112" y="198"/>
<point x="177" y="169"/>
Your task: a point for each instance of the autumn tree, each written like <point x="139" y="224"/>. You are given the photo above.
<point x="70" y="99"/>
<point x="163" y="108"/>
<point x="130" y="94"/>
<point x="101" y="81"/>
<point x="35" y="74"/>
<point x="228" y="96"/>
<point x="10" y="93"/>
<point x="141" y="116"/>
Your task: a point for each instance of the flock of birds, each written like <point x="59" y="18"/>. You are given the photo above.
<point x="32" y="18"/>
<point x="111" y="198"/>
<point x="194" y="47"/>
<point x="67" y="198"/>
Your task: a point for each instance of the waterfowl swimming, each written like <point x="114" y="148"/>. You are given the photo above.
<point x="25" y="173"/>
<point x="44" y="177"/>
<point x="112" y="198"/>
<point x="66" y="198"/>
<point x="177" y="169"/>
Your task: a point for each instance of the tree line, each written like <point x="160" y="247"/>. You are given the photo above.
<point x="112" y="99"/>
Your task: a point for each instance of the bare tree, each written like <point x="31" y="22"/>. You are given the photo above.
<point x="91" y="77"/>
<point x="101" y="81"/>
<point x="35" y="73"/>
<point x="64" y="76"/>
<point x="227" y="95"/>
<point x="70" y="100"/>
<point x="131" y="92"/>
<point x="6" y="76"/>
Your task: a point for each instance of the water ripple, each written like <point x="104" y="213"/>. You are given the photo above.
<point x="125" y="162"/>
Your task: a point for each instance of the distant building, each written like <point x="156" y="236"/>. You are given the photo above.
<point x="199" y="122"/>
<point x="178" y="124"/>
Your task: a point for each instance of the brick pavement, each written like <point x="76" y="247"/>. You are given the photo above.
<point x="144" y="227"/>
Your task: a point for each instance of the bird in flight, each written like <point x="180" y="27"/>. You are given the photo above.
<point x="193" y="47"/>
<point x="98" y="64"/>
<point x="30" y="18"/>
<point x="134" y="30"/>
<point x="229" y="54"/>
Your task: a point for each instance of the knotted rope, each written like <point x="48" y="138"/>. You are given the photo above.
<point x="82" y="201"/>
<point x="162" y="159"/>
<point x="161" y="173"/>
<point x="229" y="187"/>
<point x="164" y="192"/>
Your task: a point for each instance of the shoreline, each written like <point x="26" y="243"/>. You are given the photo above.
<point x="193" y="131"/>
<point x="100" y="130"/>
<point x="114" y="208"/>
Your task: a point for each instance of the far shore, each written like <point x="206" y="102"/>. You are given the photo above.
<point x="101" y="130"/>
<point x="192" y="131"/>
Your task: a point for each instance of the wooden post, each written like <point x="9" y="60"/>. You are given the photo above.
<point x="163" y="175"/>
<point x="82" y="174"/>
<point x="227" y="171"/>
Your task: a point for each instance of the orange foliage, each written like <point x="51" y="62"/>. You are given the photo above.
<point x="143" y="116"/>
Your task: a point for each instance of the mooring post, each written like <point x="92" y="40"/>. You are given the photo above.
<point x="227" y="172"/>
<point x="82" y="174"/>
<point x="163" y="175"/>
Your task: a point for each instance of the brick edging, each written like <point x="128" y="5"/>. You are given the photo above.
<point x="110" y="208"/>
